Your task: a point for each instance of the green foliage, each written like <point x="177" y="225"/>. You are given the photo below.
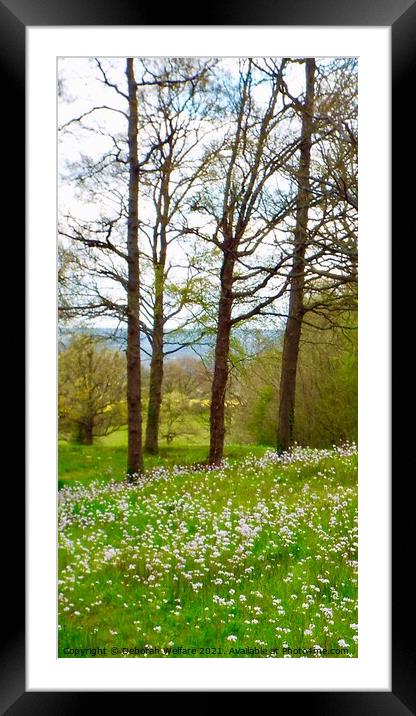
<point x="185" y="402"/>
<point x="256" y="383"/>
<point x="92" y="389"/>
<point x="326" y="409"/>
<point x="262" y="425"/>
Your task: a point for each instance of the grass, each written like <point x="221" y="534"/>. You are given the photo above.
<point x="257" y="555"/>
<point x="107" y="458"/>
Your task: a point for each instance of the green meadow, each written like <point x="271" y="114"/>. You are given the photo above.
<point x="256" y="558"/>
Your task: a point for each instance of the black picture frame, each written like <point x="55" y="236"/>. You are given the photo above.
<point x="15" y="16"/>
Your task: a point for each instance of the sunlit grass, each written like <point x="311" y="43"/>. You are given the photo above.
<point x="106" y="459"/>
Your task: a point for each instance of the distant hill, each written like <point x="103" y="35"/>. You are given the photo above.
<point x="181" y="344"/>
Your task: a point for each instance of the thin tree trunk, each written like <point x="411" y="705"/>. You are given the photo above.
<point x="220" y="378"/>
<point x="156" y="364"/>
<point x="297" y="282"/>
<point x="134" y="398"/>
<point x="156" y="369"/>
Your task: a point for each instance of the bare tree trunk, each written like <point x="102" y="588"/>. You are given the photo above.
<point x="222" y="349"/>
<point x="156" y="369"/>
<point x="297" y="282"/>
<point x="156" y="364"/>
<point x="134" y="398"/>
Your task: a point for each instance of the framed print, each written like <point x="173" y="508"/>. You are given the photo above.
<point x="41" y="44"/>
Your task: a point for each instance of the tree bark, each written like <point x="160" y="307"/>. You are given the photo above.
<point x="293" y="328"/>
<point x="134" y="398"/>
<point x="82" y="435"/>
<point x="89" y="433"/>
<point x="157" y="359"/>
<point x="156" y="367"/>
<point x="221" y="368"/>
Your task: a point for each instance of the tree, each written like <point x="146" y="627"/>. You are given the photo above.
<point x="104" y="243"/>
<point x="325" y="231"/>
<point x="243" y="213"/>
<point x="92" y="389"/>
<point x="134" y="395"/>
<point x="173" y="114"/>
<point x="168" y="126"/>
<point x="293" y="328"/>
<point x="326" y="385"/>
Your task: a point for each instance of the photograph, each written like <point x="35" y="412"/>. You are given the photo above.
<point x="207" y="280"/>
